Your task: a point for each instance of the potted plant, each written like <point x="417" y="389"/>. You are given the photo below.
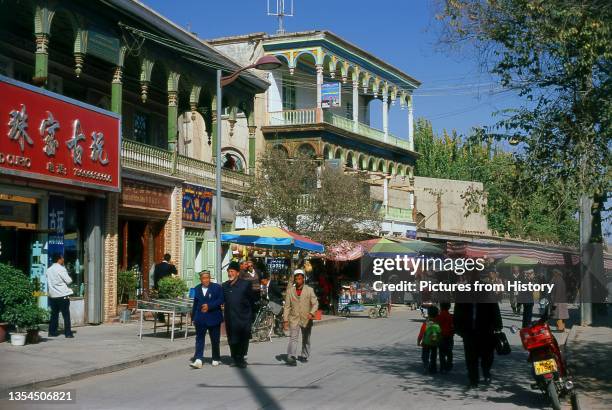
<point x="172" y="287"/>
<point x="25" y="318"/>
<point x="15" y="289"/>
<point x="126" y="289"/>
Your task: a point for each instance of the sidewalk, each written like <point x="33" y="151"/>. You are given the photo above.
<point x="589" y="357"/>
<point x="94" y="350"/>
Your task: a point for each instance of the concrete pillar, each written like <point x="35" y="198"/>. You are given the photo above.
<point x="385" y="193"/>
<point x="410" y="124"/>
<point x="319" y="83"/>
<point x="355" y="105"/>
<point x="385" y="113"/>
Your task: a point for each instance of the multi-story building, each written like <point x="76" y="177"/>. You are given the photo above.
<point x="124" y="62"/>
<point x="320" y="103"/>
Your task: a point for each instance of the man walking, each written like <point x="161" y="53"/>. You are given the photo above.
<point x="59" y="295"/>
<point x="477" y="323"/>
<point x="239" y="300"/>
<point x="300" y="307"/>
<point x="207" y="317"/>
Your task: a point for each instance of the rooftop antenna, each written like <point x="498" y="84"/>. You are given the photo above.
<point x="280" y="12"/>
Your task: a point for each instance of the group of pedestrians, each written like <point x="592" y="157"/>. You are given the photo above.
<point x="476" y="323"/>
<point x="234" y="302"/>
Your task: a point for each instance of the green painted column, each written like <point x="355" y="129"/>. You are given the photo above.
<point x="213" y="107"/>
<point x="41" y="64"/>
<point x="252" y="148"/>
<point x="173" y="80"/>
<point x="117" y="91"/>
<point x="43" y="15"/>
<point x="172" y="119"/>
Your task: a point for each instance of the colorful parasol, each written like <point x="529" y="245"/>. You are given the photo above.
<point x="272" y="237"/>
<point x="384" y="245"/>
<point x="516" y="260"/>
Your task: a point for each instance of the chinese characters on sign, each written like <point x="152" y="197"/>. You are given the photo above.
<point x="57" y="207"/>
<point x="62" y="153"/>
<point x="197" y="206"/>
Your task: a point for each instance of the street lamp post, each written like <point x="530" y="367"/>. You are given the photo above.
<point x="264" y="63"/>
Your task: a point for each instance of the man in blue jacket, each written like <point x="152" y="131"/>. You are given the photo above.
<point x="207" y="317"/>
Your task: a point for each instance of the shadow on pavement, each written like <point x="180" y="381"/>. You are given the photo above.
<point x="511" y="377"/>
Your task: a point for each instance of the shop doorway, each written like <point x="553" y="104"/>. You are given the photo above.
<point x="141" y="246"/>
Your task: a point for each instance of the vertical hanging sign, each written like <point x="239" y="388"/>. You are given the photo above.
<point x="57" y="206"/>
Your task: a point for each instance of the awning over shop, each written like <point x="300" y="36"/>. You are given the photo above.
<point x="497" y="251"/>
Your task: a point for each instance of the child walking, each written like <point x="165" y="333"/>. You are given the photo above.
<point x="445" y="320"/>
<point x="429" y="339"/>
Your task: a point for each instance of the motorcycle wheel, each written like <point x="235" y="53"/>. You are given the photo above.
<point x="551" y="391"/>
<point x="345" y="312"/>
<point x="383" y="312"/>
<point x="575" y="402"/>
<point x="372" y="313"/>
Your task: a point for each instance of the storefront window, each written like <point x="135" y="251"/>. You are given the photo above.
<point x="74" y="244"/>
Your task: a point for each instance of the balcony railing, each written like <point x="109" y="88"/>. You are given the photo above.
<point x="309" y="116"/>
<point x="154" y="160"/>
<point x="397" y="214"/>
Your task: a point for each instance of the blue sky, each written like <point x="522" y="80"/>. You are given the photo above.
<point x="454" y="94"/>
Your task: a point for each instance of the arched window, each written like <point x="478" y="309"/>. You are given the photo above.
<point x="232" y="160"/>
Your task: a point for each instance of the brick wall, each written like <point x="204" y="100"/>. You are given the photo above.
<point x="172" y="230"/>
<point x="111" y="255"/>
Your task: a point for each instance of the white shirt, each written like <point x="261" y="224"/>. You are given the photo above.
<point x="58" y="281"/>
<point x="204" y="290"/>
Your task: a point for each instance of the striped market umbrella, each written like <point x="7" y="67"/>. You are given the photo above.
<point x="272" y="237"/>
<point x="516" y="260"/>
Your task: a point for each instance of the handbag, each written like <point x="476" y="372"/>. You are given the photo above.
<point x="502" y="346"/>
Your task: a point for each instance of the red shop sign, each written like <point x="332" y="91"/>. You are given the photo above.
<point x="47" y="136"/>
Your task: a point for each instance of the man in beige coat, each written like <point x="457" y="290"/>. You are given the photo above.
<point x="300" y="307"/>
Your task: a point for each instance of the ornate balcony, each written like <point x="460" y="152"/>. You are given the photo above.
<point x="158" y="161"/>
<point x="311" y="116"/>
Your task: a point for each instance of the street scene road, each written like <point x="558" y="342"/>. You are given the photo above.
<point x="358" y="363"/>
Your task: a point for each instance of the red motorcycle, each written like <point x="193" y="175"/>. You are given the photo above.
<point x="548" y="366"/>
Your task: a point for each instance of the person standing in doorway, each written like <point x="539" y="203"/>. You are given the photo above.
<point x="300" y="307"/>
<point x="59" y="295"/>
<point x="163" y="269"/>
<point x="239" y="301"/>
<point x="207" y="317"/>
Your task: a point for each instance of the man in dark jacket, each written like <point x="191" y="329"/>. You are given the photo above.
<point x="239" y="300"/>
<point x="477" y="323"/>
<point x="207" y="317"/>
<point x="163" y="269"/>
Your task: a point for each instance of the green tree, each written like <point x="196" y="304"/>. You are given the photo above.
<point x="514" y="204"/>
<point x="557" y="55"/>
<point x="324" y="204"/>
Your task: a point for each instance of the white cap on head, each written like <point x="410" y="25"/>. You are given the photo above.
<point x="299" y="272"/>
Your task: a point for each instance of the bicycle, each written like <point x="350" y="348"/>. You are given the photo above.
<point x="263" y="325"/>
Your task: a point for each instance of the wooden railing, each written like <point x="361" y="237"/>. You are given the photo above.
<point x="309" y="116"/>
<point x="159" y="161"/>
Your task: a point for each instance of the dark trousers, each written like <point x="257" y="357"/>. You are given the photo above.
<point x="446" y="353"/>
<point x="428" y="355"/>
<point x="527" y="314"/>
<point x="478" y="348"/>
<point x="238" y="350"/>
<point x="58" y="305"/>
<point x="215" y="337"/>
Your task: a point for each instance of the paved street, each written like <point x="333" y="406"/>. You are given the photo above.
<point x="360" y="363"/>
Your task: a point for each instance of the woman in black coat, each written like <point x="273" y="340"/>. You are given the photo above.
<point x="239" y="302"/>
